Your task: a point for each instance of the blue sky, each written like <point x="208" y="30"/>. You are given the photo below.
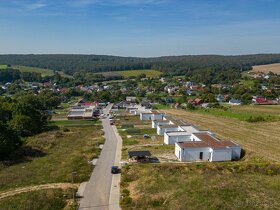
<point x="140" y="27"/>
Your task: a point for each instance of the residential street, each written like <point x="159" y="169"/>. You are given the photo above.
<point x="98" y="190"/>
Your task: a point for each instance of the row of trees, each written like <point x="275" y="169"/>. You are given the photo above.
<point x="10" y="75"/>
<point x="23" y="116"/>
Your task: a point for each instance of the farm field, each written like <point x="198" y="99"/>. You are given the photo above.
<point x="249" y="113"/>
<point x="275" y="68"/>
<point x="261" y="138"/>
<point x="131" y="73"/>
<point x="50" y="158"/>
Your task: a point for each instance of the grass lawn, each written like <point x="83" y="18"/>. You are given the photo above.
<point x="51" y="157"/>
<point x="161" y="106"/>
<point x="200" y="186"/>
<point x="52" y="199"/>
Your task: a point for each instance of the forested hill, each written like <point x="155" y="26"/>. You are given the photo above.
<point x="175" y="64"/>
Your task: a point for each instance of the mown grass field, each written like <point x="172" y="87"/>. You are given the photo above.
<point x="201" y="186"/>
<point x="261" y="138"/>
<point x="50" y="157"/>
<point x="275" y="68"/>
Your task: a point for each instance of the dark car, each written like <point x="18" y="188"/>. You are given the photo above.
<point x="115" y="170"/>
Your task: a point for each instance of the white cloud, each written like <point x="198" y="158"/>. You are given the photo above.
<point x="35" y="6"/>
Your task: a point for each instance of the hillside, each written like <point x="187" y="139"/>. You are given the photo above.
<point x="103" y="63"/>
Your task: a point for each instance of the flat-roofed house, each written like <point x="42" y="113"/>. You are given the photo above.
<point x="155" y="123"/>
<point x="79" y="113"/>
<point x="146" y="115"/>
<point x="157" y="115"/>
<point x="205" y="147"/>
<point x="161" y="129"/>
<point x="176" y="136"/>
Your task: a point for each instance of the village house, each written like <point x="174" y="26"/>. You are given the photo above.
<point x="204" y="147"/>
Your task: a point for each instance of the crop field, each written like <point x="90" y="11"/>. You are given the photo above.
<point x="275" y="68"/>
<point x="249" y="113"/>
<point x="50" y="158"/>
<point x="133" y="73"/>
<point x="260" y="138"/>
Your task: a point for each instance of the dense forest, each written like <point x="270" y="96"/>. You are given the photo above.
<point x="169" y="64"/>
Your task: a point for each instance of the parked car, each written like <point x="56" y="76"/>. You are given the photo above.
<point x="115" y="170"/>
<point x="146" y="136"/>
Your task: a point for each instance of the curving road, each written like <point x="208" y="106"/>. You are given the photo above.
<point x="102" y="190"/>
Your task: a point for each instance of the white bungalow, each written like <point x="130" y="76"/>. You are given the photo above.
<point x="176" y="136"/>
<point x="161" y="129"/>
<point x="155" y="123"/>
<point x="146" y="115"/>
<point x="204" y="147"/>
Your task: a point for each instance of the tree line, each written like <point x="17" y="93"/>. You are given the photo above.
<point x="23" y="116"/>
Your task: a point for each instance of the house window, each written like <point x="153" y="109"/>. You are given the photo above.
<point x="201" y="155"/>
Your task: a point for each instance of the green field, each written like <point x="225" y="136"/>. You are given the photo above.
<point x="133" y="73"/>
<point x="148" y="73"/>
<point x="43" y="72"/>
<point x="49" y="159"/>
<point x="244" y="112"/>
<point x="3" y="66"/>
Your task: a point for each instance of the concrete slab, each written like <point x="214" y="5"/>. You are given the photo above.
<point x="82" y="187"/>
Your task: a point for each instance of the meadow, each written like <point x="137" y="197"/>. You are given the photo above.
<point x="133" y="73"/>
<point x="275" y="68"/>
<point x="201" y="186"/>
<point x="43" y="72"/>
<point x="3" y="66"/>
<point x="248" y="113"/>
<point x="50" y="158"/>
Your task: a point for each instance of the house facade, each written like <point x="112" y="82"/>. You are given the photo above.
<point x="204" y="147"/>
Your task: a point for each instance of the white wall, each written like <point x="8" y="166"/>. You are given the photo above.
<point x="157" y="116"/>
<point x="193" y="154"/>
<point x="145" y="116"/>
<point x="161" y="131"/>
<point x="155" y="124"/>
<point x="221" y="154"/>
<point x="176" y="138"/>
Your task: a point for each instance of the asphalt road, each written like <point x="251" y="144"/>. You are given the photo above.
<point x="97" y="191"/>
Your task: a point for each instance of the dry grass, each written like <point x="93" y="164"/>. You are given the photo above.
<point x="275" y="68"/>
<point x="260" y="138"/>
